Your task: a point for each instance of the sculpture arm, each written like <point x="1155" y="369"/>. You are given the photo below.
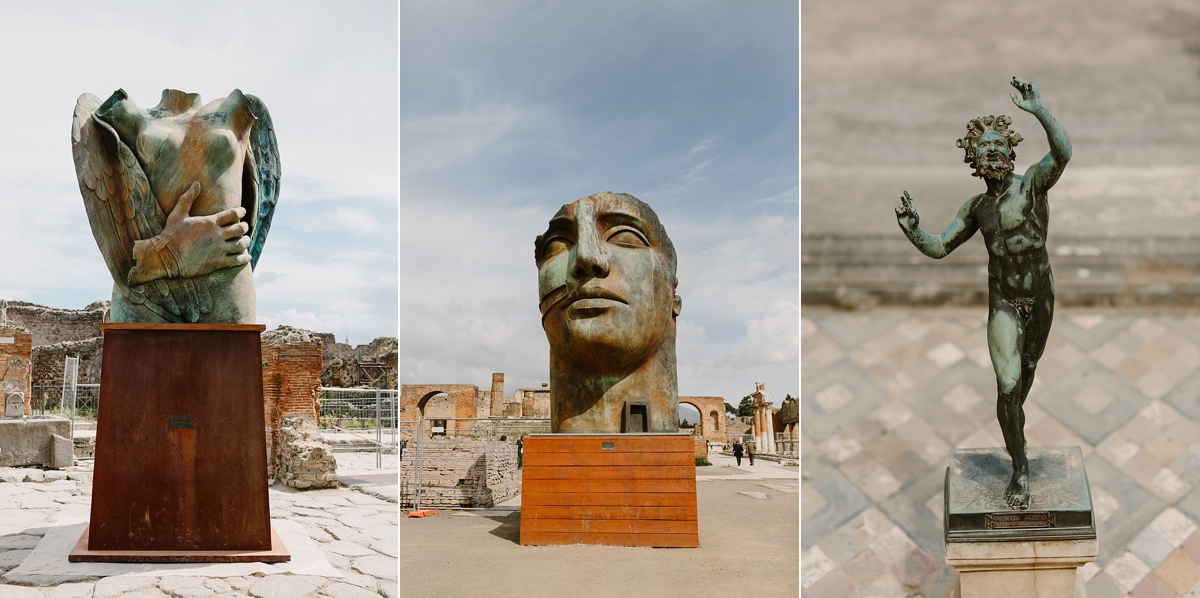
<point x="1045" y="173"/>
<point x="936" y="246"/>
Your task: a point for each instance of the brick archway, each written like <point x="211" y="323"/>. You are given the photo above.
<point x="712" y="428"/>
<point x="414" y="397"/>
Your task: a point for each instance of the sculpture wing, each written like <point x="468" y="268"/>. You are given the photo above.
<point x="120" y="205"/>
<point x="264" y="150"/>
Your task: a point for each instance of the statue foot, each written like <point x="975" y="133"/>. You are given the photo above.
<point x="1017" y="494"/>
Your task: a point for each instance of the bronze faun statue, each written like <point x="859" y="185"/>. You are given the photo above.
<point x="1013" y="215"/>
<point x="180" y="199"/>
<point x="606" y="284"/>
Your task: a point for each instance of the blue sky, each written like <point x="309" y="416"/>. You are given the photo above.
<point x="328" y="74"/>
<point x="511" y="109"/>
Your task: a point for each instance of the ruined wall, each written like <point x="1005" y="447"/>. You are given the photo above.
<point x="292" y="360"/>
<point x="16" y="363"/>
<point x="48" y="361"/>
<point x="51" y="325"/>
<point x="304" y="460"/>
<point x="535" y="402"/>
<point x="340" y="361"/>
<point x="460" y="472"/>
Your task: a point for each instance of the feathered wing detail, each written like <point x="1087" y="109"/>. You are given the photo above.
<point x="120" y="205"/>
<point x="264" y="154"/>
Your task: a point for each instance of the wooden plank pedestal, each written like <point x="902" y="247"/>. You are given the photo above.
<point x="610" y="489"/>
<point x="181" y="457"/>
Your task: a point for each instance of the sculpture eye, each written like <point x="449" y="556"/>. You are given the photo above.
<point x="555" y="246"/>
<point x="628" y="238"/>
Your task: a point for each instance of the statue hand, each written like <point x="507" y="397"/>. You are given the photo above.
<point x="1031" y="100"/>
<point x="206" y="243"/>
<point x="906" y="214"/>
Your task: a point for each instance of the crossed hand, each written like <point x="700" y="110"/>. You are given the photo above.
<point x="207" y="243"/>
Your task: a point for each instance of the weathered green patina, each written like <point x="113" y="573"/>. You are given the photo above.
<point x="180" y="199"/>
<point x="1013" y="216"/>
<point x="606" y="283"/>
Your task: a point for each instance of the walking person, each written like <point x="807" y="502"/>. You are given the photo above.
<point x="520" y="450"/>
<point x="737" y="452"/>
<point x="750" y="451"/>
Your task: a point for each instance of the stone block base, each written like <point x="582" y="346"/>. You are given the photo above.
<point x="29" y="441"/>
<point x="1006" y="569"/>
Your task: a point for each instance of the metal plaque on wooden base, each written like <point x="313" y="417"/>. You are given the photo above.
<point x="1060" y="501"/>
<point x="610" y="489"/>
<point x="181" y="458"/>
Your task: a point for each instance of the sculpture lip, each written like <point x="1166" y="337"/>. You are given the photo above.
<point x="591" y="302"/>
<point x="594" y="293"/>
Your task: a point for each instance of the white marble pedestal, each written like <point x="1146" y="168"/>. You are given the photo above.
<point x="1044" y="569"/>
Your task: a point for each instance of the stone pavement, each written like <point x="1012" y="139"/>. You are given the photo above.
<point x="357" y="533"/>
<point x="887" y="393"/>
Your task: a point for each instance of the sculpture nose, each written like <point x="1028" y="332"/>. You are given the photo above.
<point x="591" y="257"/>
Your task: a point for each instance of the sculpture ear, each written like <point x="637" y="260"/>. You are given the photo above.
<point x="238" y="114"/>
<point x="677" y="305"/>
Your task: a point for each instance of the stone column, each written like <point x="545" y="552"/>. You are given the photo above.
<point x="498" y="395"/>
<point x="1006" y="569"/>
<point x="770" y="428"/>
<point x="757" y="428"/>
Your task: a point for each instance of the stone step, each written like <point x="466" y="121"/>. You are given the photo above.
<point x="859" y="271"/>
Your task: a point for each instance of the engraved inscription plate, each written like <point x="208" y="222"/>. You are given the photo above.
<point x="180" y="422"/>
<point x="607" y="446"/>
<point x="1018" y="520"/>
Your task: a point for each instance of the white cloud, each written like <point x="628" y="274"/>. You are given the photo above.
<point x="455" y="140"/>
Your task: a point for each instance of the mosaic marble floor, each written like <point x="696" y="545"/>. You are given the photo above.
<point x="886" y="394"/>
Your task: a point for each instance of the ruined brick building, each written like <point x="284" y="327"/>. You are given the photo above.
<point x="58" y="333"/>
<point x="295" y="362"/>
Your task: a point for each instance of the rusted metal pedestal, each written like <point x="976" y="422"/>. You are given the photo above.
<point x="181" y="458"/>
<point x="612" y="489"/>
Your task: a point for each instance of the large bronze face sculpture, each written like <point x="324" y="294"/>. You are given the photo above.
<point x="606" y="280"/>
<point x="180" y="198"/>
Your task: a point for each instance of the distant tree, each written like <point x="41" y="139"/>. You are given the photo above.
<point x="683" y="423"/>
<point x="729" y="409"/>
<point x="788" y="398"/>
<point x="746" y="407"/>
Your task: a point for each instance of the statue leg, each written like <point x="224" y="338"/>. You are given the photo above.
<point x="1006" y="339"/>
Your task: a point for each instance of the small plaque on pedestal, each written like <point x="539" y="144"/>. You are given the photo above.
<point x="1060" y="502"/>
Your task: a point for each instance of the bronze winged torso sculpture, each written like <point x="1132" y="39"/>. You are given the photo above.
<point x="180" y="199"/>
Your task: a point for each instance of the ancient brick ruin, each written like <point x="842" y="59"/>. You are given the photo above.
<point x="303" y="459"/>
<point x="292" y="360"/>
<point x="460" y="472"/>
<point x="442" y="402"/>
<point x="296" y="363"/>
<point x="16" y="357"/>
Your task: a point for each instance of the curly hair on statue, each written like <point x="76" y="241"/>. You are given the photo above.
<point x="978" y="126"/>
